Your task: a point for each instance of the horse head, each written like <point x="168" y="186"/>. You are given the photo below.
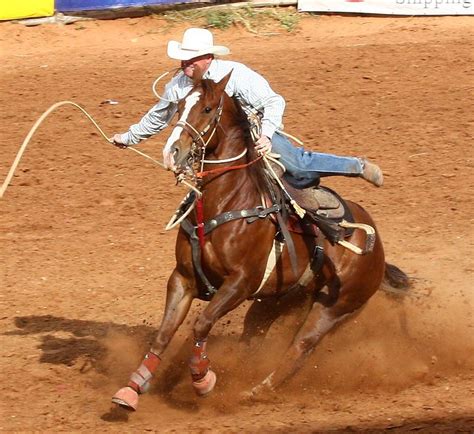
<point x="195" y="133"/>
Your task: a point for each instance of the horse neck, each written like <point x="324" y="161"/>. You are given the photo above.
<point x="230" y="132"/>
<point x="233" y="189"/>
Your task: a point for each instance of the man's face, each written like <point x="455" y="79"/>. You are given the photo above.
<point x="196" y="64"/>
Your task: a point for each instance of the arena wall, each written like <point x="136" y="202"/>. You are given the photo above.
<point x="11" y="10"/>
<point x="45" y="8"/>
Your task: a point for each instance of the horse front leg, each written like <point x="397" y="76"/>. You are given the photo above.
<point x="178" y="301"/>
<point x="230" y="295"/>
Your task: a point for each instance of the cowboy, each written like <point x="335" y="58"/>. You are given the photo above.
<point x="197" y="55"/>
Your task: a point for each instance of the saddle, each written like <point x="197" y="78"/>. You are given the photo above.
<point x="324" y="210"/>
<point x="323" y="207"/>
<point x="321" y="210"/>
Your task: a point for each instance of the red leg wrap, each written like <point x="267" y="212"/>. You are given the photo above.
<point x="199" y="363"/>
<point x="140" y="379"/>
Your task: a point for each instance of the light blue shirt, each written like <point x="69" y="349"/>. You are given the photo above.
<point x="247" y="86"/>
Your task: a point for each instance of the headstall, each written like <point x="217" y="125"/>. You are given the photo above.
<point x="198" y="147"/>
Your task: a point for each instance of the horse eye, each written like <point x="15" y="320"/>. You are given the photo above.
<point x="208" y="109"/>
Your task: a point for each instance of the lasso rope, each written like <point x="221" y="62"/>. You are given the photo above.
<point x="155" y="92"/>
<point x="300" y="211"/>
<point x="38" y="123"/>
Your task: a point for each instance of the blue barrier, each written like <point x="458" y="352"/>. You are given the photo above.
<point x="88" y="5"/>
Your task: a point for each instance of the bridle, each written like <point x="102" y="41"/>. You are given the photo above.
<point x="199" y="144"/>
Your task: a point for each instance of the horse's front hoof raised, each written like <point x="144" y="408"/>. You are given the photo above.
<point x="205" y="385"/>
<point x="127" y="398"/>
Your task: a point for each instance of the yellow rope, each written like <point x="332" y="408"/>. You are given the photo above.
<point x="38" y="123"/>
<point x="9" y="177"/>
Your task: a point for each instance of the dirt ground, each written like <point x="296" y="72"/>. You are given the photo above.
<point x="85" y="257"/>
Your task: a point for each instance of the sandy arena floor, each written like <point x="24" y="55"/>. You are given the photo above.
<point x="85" y="258"/>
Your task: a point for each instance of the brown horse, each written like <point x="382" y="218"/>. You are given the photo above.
<point x="223" y="248"/>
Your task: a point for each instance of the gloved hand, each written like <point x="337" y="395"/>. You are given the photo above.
<point x="263" y="145"/>
<point x="117" y="141"/>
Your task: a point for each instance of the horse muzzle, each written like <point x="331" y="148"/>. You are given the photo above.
<point x="183" y="160"/>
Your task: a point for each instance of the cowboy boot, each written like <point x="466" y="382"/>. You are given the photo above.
<point x="371" y="172"/>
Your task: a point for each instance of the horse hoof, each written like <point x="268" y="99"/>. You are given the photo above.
<point x="252" y="394"/>
<point x="205" y="385"/>
<point x="127" y="398"/>
<point x="246" y="397"/>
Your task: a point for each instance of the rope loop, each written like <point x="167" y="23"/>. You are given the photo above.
<point x="39" y="122"/>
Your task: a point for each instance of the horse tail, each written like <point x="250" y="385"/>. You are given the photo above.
<point x="395" y="277"/>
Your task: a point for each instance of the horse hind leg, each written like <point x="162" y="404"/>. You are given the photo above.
<point x="263" y="313"/>
<point x="319" y="322"/>
<point x="258" y="319"/>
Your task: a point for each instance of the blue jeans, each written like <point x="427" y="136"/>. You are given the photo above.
<point x="306" y="165"/>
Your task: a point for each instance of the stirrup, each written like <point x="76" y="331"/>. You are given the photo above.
<point x="369" y="240"/>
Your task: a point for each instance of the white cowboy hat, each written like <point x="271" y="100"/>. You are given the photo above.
<point x="196" y="42"/>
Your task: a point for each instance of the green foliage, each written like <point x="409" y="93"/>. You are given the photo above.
<point x="255" y="20"/>
<point x="220" y="19"/>
<point x="289" y="21"/>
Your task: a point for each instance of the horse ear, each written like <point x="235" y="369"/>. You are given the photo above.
<point x="220" y="85"/>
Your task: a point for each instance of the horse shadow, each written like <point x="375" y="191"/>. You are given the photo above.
<point x="86" y="344"/>
<point x="86" y="341"/>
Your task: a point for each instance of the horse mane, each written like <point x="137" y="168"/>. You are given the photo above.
<point x="259" y="176"/>
<point x="257" y="172"/>
<point x="207" y="86"/>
